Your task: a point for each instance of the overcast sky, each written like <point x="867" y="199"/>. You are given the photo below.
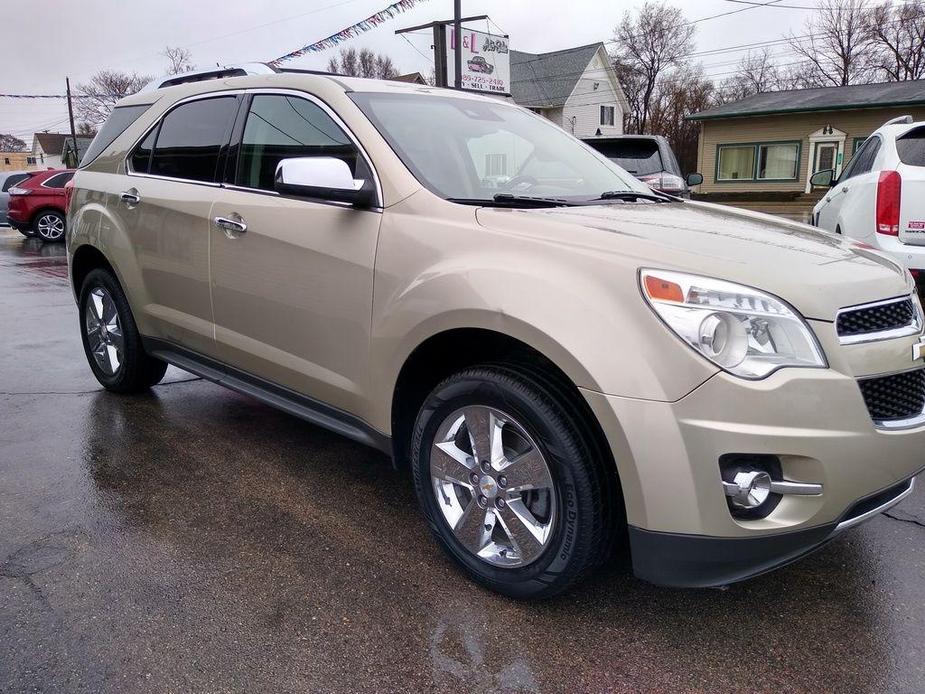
<point x="46" y="40"/>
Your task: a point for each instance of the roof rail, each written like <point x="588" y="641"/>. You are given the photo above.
<point x="899" y="120"/>
<point x="209" y="74"/>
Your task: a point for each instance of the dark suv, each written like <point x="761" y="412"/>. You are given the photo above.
<point x="648" y="157"/>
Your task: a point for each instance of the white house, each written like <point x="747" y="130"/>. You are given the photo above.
<point x="47" y="149"/>
<point x="576" y="89"/>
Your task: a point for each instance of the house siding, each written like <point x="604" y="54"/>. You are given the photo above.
<point x="18" y="161"/>
<point x="581" y="114"/>
<point x="797" y="127"/>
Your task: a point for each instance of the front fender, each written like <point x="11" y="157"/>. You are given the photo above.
<point x="580" y="309"/>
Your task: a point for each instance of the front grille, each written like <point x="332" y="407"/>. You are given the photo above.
<point x="876" y="318"/>
<point x="895" y="398"/>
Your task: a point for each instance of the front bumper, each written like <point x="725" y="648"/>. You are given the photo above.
<point x="814" y="421"/>
<point x="696" y="561"/>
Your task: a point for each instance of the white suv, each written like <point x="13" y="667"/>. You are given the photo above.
<point x="880" y="196"/>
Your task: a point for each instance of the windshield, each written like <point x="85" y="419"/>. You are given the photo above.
<point x="467" y="149"/>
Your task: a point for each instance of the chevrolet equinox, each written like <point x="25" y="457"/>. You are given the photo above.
<point x="569" y="362"/>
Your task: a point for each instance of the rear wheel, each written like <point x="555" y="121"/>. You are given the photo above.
<point x="49" y="225"/>
<point x="508" y="482"/>
<point x="111" y="340"/>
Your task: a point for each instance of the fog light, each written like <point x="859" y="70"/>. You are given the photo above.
<point x="749" y="489"/>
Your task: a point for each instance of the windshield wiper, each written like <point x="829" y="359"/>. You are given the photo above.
<point x="634" y="195"/>
<point x="511" y="200"/>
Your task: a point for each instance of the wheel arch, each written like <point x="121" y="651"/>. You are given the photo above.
<point x="47" y="208"/>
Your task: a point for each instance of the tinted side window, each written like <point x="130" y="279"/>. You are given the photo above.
<point x="141" y="155"/>
<point x="191" y="137"/>
<point x="12" y="180"/>
<point x="120" y="118"/>
<point x="861" y="159"/>
<point x="58" y="181"/>
<point x="280" y="127"/>
<point x="911" y="147"/>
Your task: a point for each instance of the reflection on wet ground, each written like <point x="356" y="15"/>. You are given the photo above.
<point x="195" y="540"/>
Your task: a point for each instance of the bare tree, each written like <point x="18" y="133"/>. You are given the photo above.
<point x="85" y="129"/>
<point x="678" y="94"/>
<point x="898" y="34"/>
<point x="100" y="94"/>
<point x="756" y="74"/>
<point x="656" y="40"/>
<point x="179" y="60"/>
<point x="835" y="45"/>
<point x="11" y="143"/>
<point x="362" y="63"/>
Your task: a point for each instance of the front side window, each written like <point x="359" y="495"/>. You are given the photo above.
<point x="735" y="163"/>
<point x="778" y="162"/>
<point x="444" y="142"/>
<point x="190" y="139"/>
<point x="607" y="115"/>
<point x="283" y="127"/>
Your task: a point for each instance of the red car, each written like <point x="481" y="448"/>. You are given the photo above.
<point x="38" y="205"/>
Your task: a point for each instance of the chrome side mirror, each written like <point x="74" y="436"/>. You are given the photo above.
<point x="322" y="178"/>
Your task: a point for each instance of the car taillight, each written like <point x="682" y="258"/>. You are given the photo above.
<point x="663" y="181"/>
<point x="68" y="194"/>
<point x="19" y="191"/>
<point x="889" y="191"/>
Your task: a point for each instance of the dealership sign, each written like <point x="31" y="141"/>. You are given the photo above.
<point x="486" y="62"/>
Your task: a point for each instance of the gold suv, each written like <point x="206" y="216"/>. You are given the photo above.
<point x="569" y="362"/>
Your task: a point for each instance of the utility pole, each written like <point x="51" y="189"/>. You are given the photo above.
<point x="457" y="32"/>
<point x="441" y="69"/>
<point x="70" y="115"/>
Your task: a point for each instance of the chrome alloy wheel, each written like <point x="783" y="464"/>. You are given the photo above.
<point x="493" y="486"/>
<point x="104" y="331"/>
<point x="50" y="227"/>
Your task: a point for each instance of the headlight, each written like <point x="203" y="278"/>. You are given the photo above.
<point x="742" y="330"/>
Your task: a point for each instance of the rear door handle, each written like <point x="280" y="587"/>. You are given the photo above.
<point x="130" y="197"/>
<point x="238" y="226"/>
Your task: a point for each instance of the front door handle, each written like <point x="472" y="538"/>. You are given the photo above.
<point x="235" y="225"/>
<point x="130" y="197"/>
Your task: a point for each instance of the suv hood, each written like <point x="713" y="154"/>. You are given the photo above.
<point x="816" y="272"/>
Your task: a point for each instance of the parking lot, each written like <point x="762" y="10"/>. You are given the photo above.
<point x="196" y="540"/>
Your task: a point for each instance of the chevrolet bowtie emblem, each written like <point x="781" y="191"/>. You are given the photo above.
<point x="918" y="349"/>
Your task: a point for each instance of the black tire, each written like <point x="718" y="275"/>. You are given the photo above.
<point x="137" y="370"/>
<point x="50" y="226"/>
<point x="581" y="534"/>
<point x="28" y="233"/>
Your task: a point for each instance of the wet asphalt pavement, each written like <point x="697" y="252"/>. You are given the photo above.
<point x="194" y="540"/>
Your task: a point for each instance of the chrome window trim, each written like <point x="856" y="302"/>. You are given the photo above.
<point x="913" y="328"/>
<point x="886" y="506"/>
<point x="254" y="91"/>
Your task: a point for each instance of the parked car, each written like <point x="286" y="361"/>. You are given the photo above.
<point x="876" y="197"/>
<point x="566" y="362"/>
<point x="479" y="64"/>
<point x="37" y="204"/>
<point x="649" y="158"/>
<point x="8" y="179"/>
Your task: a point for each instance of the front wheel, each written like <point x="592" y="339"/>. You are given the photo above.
<point x="111" y="340"/>
<point x="508" y="482"/>
<point x="50" y="225"/>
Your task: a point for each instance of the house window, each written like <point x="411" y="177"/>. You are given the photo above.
<point x="856" y="145"/>
<point x="496" y="164"/>
<point x="778" y="162"/>
<point x="30" y="160"/>
<point x="772" y="161"/>
<point x="6" y="160"/>
<point x="735" y="163"/>
<point x="607" y="115"/>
